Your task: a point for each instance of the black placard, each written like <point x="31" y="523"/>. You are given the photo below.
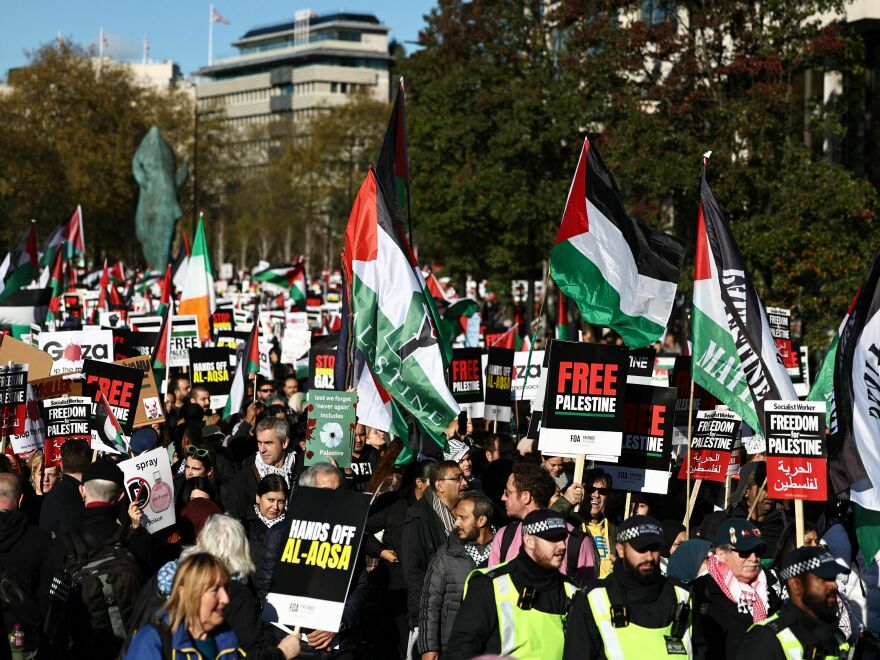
<point x="209" y="368"/>
<point x="641" y="366"/>
<point x="466" y="375"/>
<point x="121" y="385"/>
<point x="322" y="363"/>
<point x="499" y="376"/>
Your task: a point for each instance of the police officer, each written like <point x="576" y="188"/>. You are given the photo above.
<point x="807" y="626"/>
<point x="635" y="612"/>
<point x="517" y="608"/>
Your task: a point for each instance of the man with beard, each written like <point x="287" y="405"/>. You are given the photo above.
<point x="807" y="626"/>
<point x="635" y="612"/>
<point x="517" y="609"/>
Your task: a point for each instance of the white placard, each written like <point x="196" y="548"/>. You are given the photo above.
<point x="148" y="482"/>
<point x="69" y="348"/>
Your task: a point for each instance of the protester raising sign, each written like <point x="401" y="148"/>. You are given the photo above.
<point x="466" y="375"/>
<point x="209" y="368"/>
<point x="330" y="429"/>
<point x="796" y="453"/>
<point x="643" y="465"/>
<point x="312" y="576"/>
<point x="499" y="379"/>
<point x="13" y="399"/>
<point x="583" y="407"/>
<point x="149" y="407"/>
<point x="66" y="418"/>
<point x="184" y="336"/>
<point x="321" y="365"/>
<point x="714" y="439"/>
<point x="120" y="385"/>
<point x="148" y="482"/>
<point x="70" y="348"/>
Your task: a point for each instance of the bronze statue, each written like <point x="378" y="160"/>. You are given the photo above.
<point x="156" y="172"/>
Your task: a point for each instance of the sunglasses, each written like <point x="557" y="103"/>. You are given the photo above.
<point x="596" y="489"/>
<point x="745" y="554"/>
<point x="269" y="390"/>
<point x="201" y="452"/>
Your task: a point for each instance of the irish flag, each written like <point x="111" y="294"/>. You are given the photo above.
<point x="246" y="368"/>
<point x="735" y="357"/>
<point x="393" y="326"/>
<point x="198" y="290"/>
<point x="621" y="274"/>
<point x="291" y="277"/>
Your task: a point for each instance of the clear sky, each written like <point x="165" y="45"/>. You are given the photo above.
<point x="175" y="29"/>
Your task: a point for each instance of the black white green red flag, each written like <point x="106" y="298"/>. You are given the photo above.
<point x="56" y="284"/>
<point x="291" y="277"/>
<point x="734" y="355"/>
<point x="71" y="237"/>
<point x="162" y="351"/>
<point x="20" y="266"/>
<point x="393" y="326"/>
<point x="247" y="367"/>
<point x="621" y="274"/>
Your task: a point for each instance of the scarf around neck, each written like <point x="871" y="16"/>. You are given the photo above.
<point x="440" y="509"/>
<point x="268" y="523"/>
<point x="479" y="553"/>
<point x="283" y="471"/>
<point x="749" y="598"/>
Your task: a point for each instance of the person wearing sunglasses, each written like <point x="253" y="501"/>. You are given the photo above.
<point x="199" y="462"/>
<point x="736" y="592"/>
<point x="597" y="487"/>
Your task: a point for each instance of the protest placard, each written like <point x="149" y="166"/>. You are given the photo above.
<point x="34" y="434"/>
<point x="663" y="367"/>
<point x="322" y="362"/>
<point x="796" y="451"/>
<point x="330" y="428"/>
<point x="149" y="407"/>
<point x="13" y="399"/>
<point x="231" y="340"/>
<point x="148" y="482"/>
<point x="209" y="368"/>
<point x="646" y="452"/>
<point x="69" y="348"/>
<point x="184" y="336"/>
<point x="65" y="418"/>
<point x="39" y="362"/>
<point x="583" y="410"/>
<point x="641" y="366"/>
<point x="128" y="343"/>
<point x="779" y="320"/>
<point x="263" y="348"/>
<point x="144" y="323"/>
<point x="295" y="343"/>
<point x="466" y="375"/>
<point x="120" y="384"/>
<point x="312" y="576"/>
<point x="56" y="386"/>
<point x="499" y="379"/>
<point x="526" y="388"/>
<point x="715" y="434"/>
<point x="221" y="320"/>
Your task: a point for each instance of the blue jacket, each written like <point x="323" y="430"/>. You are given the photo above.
<point x="147" y="644"/>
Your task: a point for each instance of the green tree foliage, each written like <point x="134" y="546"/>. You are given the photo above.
<point x="501" y="96"/>
<point x="70" y="128"/>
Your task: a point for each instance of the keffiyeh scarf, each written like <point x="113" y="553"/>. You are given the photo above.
<point x="283" y="471"/>
<point x="479" y="553"/>
<point x="268" y="523"/>
<point x="442" y="512"/>
<point x="749" y="598"/>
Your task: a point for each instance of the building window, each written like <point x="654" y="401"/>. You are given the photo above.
<point x="343" y="87"/>
<point x="333" y="87"/>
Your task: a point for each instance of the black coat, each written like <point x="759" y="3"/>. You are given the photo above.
<point x="62" y="506"/>
<point x="723" y="625"/>
<point x="241" y="492"/>
<point x="761" y="641"/>
<point x="423" y="534"/>
<point x="23" y="550"/>
<point x="388" y="513"/>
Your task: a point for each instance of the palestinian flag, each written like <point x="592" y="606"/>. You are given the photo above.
<point x="621" y="274"/>
<point x="198" y="290"/>
<point x="455" y="318"/>
<point x="436" y="291"/>
<point x="167" y="291"/>
<point x="107" y="435"/>
<point x="108" y="296"/>
<point x="290" y="277"/>
<point x="392" y="168"/>
<point x="162" y="351"/>
<point x="246" y="368"/>
<point x="734" y="355"/>
<point x="512" y="340"/>
<point x="70" y="236"/>
<point x="563" y="329"/>
<point x="393" y="326"/>
<point x="56" y="286"/>
<point x="26" y="307"/>
<point x="20" y="267"/>
<point x="117" y="273"/>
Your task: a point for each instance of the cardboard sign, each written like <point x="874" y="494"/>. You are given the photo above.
<point x="34" y="435"/>
<point x="714" y="441"/>
<point x="499" y="380"/>
<point x="681" y="380"/>
<point x="779" y="320"/>
<point x="584" y="404"/>
<point x="797" y="466"/>
<point x="70" y="348"/>
<point x="13" y="399"/>
<point x="526" y="389"/>
<point x="184" y="336"/>
<point x="641" y="366"/>
<point x="39" y="362"/>
<point x="121" y="386"/>
<point x="66" y="418"/>
<point x="56" y="386"/>
<point x="209" y="368"/>
<point x="646" y="453"/>
<point x="313" y="574"/>
<point x="321" y="365"/>
<point x="330" y="430"/>
<point x="466" y="375"/>
<point x="148" y="482"/>
<point x="149" y="407"/>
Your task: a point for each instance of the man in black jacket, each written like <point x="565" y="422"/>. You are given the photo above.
<point x="635" y="611"/>
<point x="533" y="594"/>
<point x="466" y="549"/>
<point x="807" y="626"/>
<point x="427" y="526"/>
<point x="63" y="505"/>
<point x="23" y="549"/>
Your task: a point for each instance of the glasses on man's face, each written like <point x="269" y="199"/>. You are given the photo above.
<point x="745" y="554"/>
<point x="597" y="489"/>
<point x="508" y="493"/>
<point x="264" y="390"/>
<point x="460" y="477"/>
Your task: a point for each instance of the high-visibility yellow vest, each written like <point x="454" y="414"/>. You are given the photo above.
<point x="632" y="641"/>
<point x="792" y="647"/>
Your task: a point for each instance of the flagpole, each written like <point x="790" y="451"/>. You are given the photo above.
<point x="210" y="34"/>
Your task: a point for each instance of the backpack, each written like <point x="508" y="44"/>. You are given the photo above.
<point x="105" y="580"/>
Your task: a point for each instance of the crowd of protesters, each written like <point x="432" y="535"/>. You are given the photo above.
<point x="486" y="548"/>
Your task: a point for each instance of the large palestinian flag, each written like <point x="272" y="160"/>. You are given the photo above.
<point x="246" y="368"/>
<point x="393" y="326"/>
<point x="621" y="274"/>
<point x="734" y="355"/>
<point x="70" y="236"/>
<point x="291" y="277"/>
<point x="20" y="267"/>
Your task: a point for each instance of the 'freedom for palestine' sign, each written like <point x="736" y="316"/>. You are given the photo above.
<point x="797" y="465"/>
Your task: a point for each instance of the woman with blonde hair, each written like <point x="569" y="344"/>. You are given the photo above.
<point x="191" y="623"/>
